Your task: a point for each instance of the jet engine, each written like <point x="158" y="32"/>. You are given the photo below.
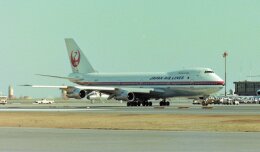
<point x="76" y="94"/>
<point x="125" y="96"/>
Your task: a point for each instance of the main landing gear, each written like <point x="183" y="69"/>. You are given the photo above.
<point x="146" y="103"/>
<point x="164" y="103"/>
<point x="139" y="103"/>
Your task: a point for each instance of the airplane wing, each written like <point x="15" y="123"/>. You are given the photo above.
<point x="95" y="88"/>
<point x="44" y="86"/>
<point x="117" y="93"/>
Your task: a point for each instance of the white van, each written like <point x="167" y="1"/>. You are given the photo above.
<point x="3" y="100"/>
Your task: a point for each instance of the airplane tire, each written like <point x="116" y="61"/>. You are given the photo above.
<point x="167" y="103"/>
<point x="161" y="103"/>
<point x="150" y="104"/>
<point x="134" y="103"/>
<point x="138" y="103"/>
<point x="147" y="103"/>
<point x="143" y="103"/>
<point x="128" y="104"/>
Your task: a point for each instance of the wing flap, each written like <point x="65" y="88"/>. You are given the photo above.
<point x="138" y="90"/>
<point x="95" y="88"/>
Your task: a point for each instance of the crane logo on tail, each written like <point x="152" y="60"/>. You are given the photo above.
<point x="75" y="58"/>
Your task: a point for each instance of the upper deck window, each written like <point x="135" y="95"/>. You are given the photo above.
<point x="209" y="72"/>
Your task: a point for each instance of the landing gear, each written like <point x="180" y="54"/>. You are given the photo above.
<point x="164" y="103"/>
<point x="139" y="103"/>
<point x="150" y="104"/>
<point x="146" y="103"/>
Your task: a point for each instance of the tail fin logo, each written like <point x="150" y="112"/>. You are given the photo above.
<point x="75" y="58"/>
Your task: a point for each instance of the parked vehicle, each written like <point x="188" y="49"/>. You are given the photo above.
<point x="3" y="100"/>
<point x="44" y="101"/>
<point x="196" y="101"/>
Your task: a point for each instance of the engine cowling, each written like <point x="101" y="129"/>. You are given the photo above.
<point x="258" y="92"/>
<point x="76" y="94"/>
<point x="125" y="96"/>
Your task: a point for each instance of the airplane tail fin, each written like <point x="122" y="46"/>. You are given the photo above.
<point x="79" y="63"/>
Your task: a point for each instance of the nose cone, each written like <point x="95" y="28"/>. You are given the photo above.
<point x="219" y="80"/>
<point x="222" y="82"/>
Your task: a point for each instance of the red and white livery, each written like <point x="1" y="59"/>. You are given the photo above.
<point x="136" y="88"/>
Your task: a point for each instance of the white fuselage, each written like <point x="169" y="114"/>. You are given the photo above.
<point x="194" y="82"/>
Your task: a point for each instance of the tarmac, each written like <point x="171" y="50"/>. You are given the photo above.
<point x="65" y="140"/>
<point x="116" y="107"/>
<point x="81" y="140"/>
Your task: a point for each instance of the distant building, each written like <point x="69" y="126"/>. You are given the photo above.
<point x="25" y="97"/>
<point x="247" y="88"/>
<point x="11" y="92"/>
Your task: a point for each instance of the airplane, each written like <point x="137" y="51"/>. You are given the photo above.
<point x="135" y="88"/>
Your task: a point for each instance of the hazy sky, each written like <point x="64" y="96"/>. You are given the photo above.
<point x="126" y="36"/>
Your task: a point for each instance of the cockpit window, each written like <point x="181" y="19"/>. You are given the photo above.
<point x="209" y="72"/>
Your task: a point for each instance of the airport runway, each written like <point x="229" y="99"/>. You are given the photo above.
<point x="178" y="108"/>
<point x="67" y="140"/>
<point x="80" y="140"/>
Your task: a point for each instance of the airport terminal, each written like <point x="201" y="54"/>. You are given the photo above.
<point x="247" y="88"/>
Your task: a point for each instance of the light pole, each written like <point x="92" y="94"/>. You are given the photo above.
<point x="225" y="56"/>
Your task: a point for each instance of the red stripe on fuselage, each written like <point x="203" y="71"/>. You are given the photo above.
<point x="151" y="83"/>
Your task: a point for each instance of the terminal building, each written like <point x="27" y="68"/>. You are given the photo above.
<point x="247" y="88"/>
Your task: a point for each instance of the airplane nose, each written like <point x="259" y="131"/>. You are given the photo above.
<point x="220" y="81"/>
